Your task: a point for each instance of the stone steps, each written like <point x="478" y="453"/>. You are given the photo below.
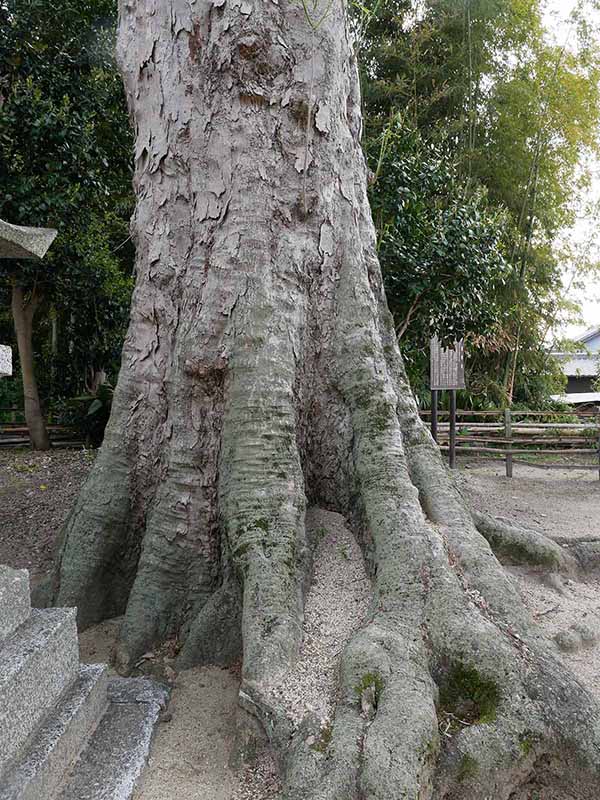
<point x="67" y="732"/>
<point x="117" y="752"/>
<point x="52" y="751"/>
<point x="38" y="662"/>
<point x="15" y="605"/>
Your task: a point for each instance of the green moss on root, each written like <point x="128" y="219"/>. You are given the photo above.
<point x="468" y="695"/>
<point x="527" y="741"/>
<point x="324" y="740"/>
<point x="468" y="768"/>
<point x="517" y="552"/>
<point x="370" y="680"/>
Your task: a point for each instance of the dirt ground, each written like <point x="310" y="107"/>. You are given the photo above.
<point x="558" y="503"/>
<point x="555" y="502"/>
<point x="37" y="491"/>
<point x="190" y="757"/>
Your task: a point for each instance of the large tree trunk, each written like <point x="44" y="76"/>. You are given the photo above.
<point x="261" y="374"/>
<point x="23" y="311"/>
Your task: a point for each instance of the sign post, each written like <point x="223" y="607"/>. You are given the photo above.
<point x="434" y="414"/>
<point x="447" y="373"/>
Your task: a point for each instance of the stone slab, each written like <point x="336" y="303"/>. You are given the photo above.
<point x="112" y="763"/>
<point x="38" y="662"/>
<point x="15" y="604"/>
<point x="17" y="241"/>
<point x="50" y="754"/>
<point x="5" y="361"/>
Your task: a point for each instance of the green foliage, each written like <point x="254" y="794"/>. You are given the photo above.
<point x="11" y="392"/>
<point x="65" y="148"/>
<point x="468" y="768"/>
<point x="527" y="742"/>
<point x="321" y="745"/>
<point x="440" y="246"/>
<point x="87" y="415"/>
<point x="513" y="114"/>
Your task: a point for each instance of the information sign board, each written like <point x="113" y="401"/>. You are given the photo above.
<point x="447" y="366"/>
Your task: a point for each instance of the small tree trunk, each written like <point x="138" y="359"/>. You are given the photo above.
<point x="261" y="374"/>
<point x="23" y="312"/>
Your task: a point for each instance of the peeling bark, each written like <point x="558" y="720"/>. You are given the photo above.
<point x="261" y="374"/>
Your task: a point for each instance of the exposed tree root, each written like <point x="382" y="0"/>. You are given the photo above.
<point x="517" y="545"/>
<point x="586" y="550"/>
<point x="524" y="546"/>
<point x="448" y="692"/>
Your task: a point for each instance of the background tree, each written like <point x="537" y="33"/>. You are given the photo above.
<point x="64" y="163"/>
<point x="442" y="245"/>
<point x="518" y="113"/>
<point x="261" y="373"/>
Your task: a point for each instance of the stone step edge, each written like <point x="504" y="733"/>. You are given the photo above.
<point x="52" y="751"/>
<point x="29" y="639"/>
<point x="38" y="664"/>
<point x="112" y="763"/>
<point x="14" y="600"/>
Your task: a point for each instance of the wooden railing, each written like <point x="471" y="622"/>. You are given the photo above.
<point x="511" y="435"/>
<point x="14" y="433"/>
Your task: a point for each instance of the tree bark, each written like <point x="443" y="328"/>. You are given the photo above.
<point x="23" y="312"/>
<point x="260" y="375"/>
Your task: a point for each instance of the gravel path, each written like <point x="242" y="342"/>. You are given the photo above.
<point x="336" y="606"/>
<point x="189" y="756"/>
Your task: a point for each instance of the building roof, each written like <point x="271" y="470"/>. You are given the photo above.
<point x="575" y="365"/>
<point x="591" y="334"/>
<point x="577" y="398"/>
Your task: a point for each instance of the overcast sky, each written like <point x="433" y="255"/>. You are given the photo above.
<point x="557" y="14"/>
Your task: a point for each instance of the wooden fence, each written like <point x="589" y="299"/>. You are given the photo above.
<point x="501" y="433"/>
<point x="521" y="437"/>
<point x="14" y="433"/>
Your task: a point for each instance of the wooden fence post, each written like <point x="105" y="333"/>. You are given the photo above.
<point x="508" y="443"/>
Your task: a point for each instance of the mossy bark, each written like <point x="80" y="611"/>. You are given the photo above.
<point x="261" y="374"/>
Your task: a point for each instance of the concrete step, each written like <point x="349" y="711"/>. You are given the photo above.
<point x="49" y="755"/>
<point x="113" y="761"/>
<point x="14" y="600"/>
<point x="38" y="662"/>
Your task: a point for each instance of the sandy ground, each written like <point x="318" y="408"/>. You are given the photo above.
<point x="336" y="606"/>
<point x="555" y="502"/>
<point x="193" y="744"/>
<point x="560" y="503"/>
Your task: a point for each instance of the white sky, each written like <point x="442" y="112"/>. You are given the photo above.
<point x="557" y="13"/>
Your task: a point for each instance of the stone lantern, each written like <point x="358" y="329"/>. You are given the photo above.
<point x="17" y="242"/>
